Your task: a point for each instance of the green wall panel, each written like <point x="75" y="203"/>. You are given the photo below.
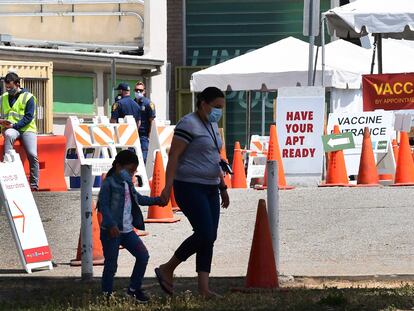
<point x="73" y="94"/>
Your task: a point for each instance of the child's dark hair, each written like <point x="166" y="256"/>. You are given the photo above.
<point x="123" y="157"/>
<point x="208" y="95"/>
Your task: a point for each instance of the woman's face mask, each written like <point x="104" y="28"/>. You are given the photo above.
<point x="215" y="115"/>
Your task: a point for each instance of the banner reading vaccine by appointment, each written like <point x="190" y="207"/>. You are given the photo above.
<point x="24" y="218"/>
<point x="299" y="119"/>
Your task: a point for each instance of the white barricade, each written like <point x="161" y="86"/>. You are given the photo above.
<point x="257" y="156"/>
<point x="96" y="144"/>
<point x="160" y="139"/>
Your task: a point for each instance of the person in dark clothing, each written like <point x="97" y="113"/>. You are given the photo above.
<point x="125" y="106"/>
<point x="147" y="116"/>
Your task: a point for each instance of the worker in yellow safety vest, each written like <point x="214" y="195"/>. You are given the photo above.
<point x="18" y="120"/>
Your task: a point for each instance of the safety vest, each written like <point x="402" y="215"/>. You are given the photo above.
<point x="16" y="113"/>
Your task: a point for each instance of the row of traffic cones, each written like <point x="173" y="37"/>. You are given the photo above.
<point x="368" y="174"/>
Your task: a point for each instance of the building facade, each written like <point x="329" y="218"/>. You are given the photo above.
<point x="93" y="46"/>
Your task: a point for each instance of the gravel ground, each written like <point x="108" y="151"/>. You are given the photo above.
<point x="323" y="232"/>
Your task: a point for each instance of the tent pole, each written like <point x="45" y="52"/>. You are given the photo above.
<point x="379" y="54"/>
<point x="192" y="101"/>
<point x="248" y="111"/>
<point x="264" y="97"/>
<point x="373" y="54"/>
<point x="323" y="47"/>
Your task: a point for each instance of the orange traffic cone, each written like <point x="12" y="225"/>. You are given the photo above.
<point x="158" y="213"/>
<point x="223" y="155"/>
<point x="261" y="271"/>
<point x="274" y="154"/>
<point x="238" y="179"/>
<point x="97" y="252"/>
<point x="336" y="175"/>
<point x="367" y="174"/>
<point x="404" y="174"/>
<point x="174" y="204"/>
<point x="395" y="150"/>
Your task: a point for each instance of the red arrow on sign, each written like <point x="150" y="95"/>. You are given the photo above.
<point x="19" y="216"/>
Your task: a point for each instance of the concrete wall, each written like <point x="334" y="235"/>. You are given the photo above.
<point x="102" y="29"/>
<point x="155" y="45"/>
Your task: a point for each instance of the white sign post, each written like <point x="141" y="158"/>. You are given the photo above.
<point x="23" y="216"/>
<point x="299" y="118"/>
<point x="381" y="126"/>
<point x="86" y="222"/>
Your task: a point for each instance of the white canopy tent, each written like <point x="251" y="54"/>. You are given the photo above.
<point x="283" y="63"/>
<point x="383" y="18"/>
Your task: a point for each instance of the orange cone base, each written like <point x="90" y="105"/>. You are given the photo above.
<point x="368" y="185"/>
<point x="162" y="220"/>
<point x="402" y="184"/>
<point x="78" y="263"/>
<point x="336" y="185"/>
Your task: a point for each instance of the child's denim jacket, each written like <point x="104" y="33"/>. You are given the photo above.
<point x="111" y="202"/>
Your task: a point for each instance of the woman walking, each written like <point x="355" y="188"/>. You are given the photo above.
<point x="196" y="172"/>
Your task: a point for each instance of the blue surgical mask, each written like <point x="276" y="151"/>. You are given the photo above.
<point x="139" y="95"/>
<point x="215" y="114"/>
<point x="125" y="175"/>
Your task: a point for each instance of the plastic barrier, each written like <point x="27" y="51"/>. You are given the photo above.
<point x="96" y="144"/>
<point x="160" y="139"/>
<point x="51" y="154"/>
<point x="257" y="156"/>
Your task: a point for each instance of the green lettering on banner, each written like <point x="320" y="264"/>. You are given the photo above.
<point x="382" y="145"/>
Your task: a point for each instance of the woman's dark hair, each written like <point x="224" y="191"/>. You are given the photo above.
<point x="208" y="95"/>
<point x="123" y="157"/>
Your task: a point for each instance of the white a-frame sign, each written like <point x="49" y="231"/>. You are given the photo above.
<point x="24" y="219"/>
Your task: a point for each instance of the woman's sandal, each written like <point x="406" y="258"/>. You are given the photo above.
<point x="165" y="286"/>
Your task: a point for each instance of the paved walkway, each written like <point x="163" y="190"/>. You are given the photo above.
<point x="324" y="232"/>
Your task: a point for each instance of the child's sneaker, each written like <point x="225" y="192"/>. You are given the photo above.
<point x="139" y="295"/>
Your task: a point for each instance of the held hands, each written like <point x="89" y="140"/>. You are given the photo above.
<point x="225" y="200"/>
<point x="165" y="197"/>
<point x="114" y="232"/>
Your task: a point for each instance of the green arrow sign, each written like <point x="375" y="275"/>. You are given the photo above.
<point x="335" y="142"/>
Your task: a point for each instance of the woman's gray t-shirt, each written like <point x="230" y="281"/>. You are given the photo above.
<point x="200" y="161"/>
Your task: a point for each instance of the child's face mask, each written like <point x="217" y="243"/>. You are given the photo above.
<point x="125" y="175"/>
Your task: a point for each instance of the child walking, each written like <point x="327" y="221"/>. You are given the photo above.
<point x="119" y="204"/>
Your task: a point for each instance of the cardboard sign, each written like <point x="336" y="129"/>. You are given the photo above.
<point x="388" y="91"/>
<point x="23" y="216"/>
<point x="380" y="124"/>
<point x="299" y="119"/>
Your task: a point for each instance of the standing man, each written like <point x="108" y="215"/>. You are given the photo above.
<point x="147" y="116"/>
<point x="125" y="106"/>
<point x="18" y="113"/>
